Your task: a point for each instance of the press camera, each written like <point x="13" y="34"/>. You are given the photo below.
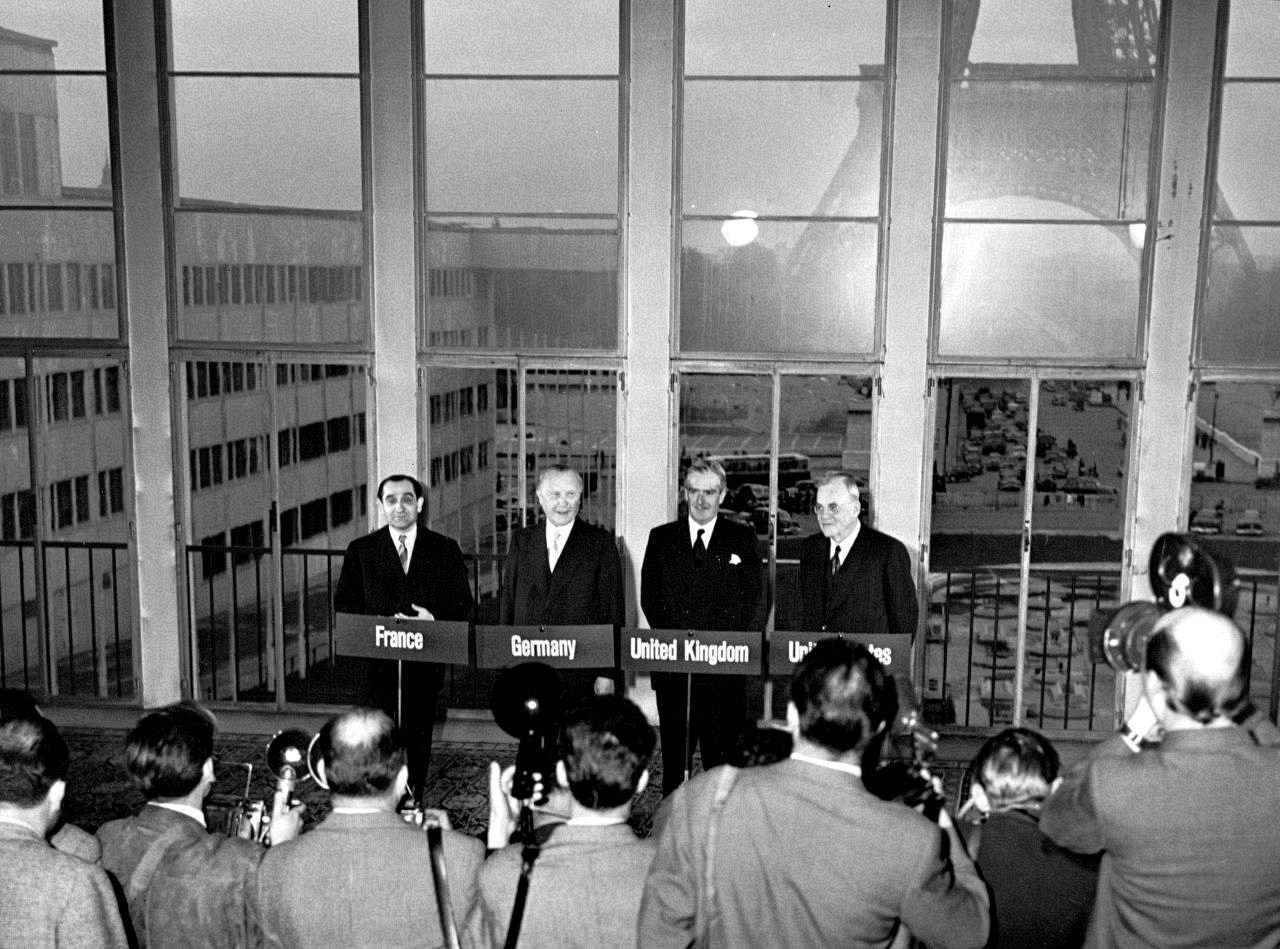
<point x="1182" y="573"/>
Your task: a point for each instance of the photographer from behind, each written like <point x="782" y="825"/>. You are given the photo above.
<point x="799" y="852"/>
<point x="585" y="885"/>
<point x="1187" y="826"/>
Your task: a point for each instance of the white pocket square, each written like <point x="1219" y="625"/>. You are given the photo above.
<point x="734" y="560"/>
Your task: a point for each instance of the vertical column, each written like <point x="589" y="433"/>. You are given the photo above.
<point x="1166" y="413"/>
<point x="158" y="656"/>
<point x="644" y="457"/>
<point x="899" y="437"/>
<point x="393" y="274"/>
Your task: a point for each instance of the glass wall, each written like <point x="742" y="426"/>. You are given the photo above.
<point x="267" y="146"/>
<point x="58" y="263"/>
<point x="1242" y="265"/>
<point x="1049" y="139"/>
<point x="781" y="141"/>
<point x="522" y="159"/>
<point x="1026" y="540"/>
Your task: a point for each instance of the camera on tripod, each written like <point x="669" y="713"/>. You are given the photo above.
<point x="1182" y="573"/>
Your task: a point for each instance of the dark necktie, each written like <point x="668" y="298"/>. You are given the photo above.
<point x="404" y="555"/>
<point x="835" y="561"/>
<point x="699" y="548"/>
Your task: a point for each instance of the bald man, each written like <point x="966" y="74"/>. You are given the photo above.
<point x="363" y="877"/>
<point x="1187" y="825"/>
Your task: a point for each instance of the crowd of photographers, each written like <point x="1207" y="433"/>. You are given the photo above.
<point x="1164" y="835"/>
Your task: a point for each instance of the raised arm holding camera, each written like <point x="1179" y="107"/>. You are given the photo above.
<point x="585" y="887"/>
<point x="1187" y="826"/>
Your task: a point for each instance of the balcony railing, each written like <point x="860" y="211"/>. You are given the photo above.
<point x="84" y="604"/>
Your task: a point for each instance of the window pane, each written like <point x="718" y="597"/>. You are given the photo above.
<point x="975" y="549"/>
<point x="282" y="244"/>
<point x="53" y="139"/>
<point x="524" y="146"/>
<point x="763" y="38"/>
<point x="1248" y="141"/>
<point x="478" y="36"/>
<point x="1077" y="534"/>
<point x="1039" y="291"/>
<point x="279" y="142"/>
<point x="86" y="553"/>
<point x="75" y="26"/>
<point x="1235" y="504"/>
<point x="521" y="283"/>
<point x="728" y="418"/>
<point x="1239" y="324"/>
<point x="1097" y="39"/>
<point x="784" y="148"/>
<point x="788" y="287"/>
<point x="230" y="583"/>
<point x="1085" y="145"/>
<point x="824" y="425"/>
<point x="1252" y="37"/>
<point x="33" y="240"/>
<point x="312" y="398"/>
<point x="571" y="419"/>
<point x="281" y="36"/>
<point x="20" y="650"/>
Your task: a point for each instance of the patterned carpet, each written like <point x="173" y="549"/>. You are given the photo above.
<point x="98" y="789"/>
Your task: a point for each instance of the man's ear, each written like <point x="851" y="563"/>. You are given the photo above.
<point x="980" y="799"/>
<point x="562" y="775"/>
<point x="57" y="791"/>
<point x="402" y="781"/>
<point x="206" y="776"/>
<point x="793" y="720"/>
<point x="643" y="781"/>
<point x="322" y="778"/>
<point x="421" y="501"/>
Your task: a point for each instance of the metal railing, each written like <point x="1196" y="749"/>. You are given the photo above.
<point x="80" y="597"/>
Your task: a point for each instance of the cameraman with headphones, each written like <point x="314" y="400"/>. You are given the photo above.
<point x="1187" y="826"/>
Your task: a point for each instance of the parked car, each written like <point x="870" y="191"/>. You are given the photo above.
<point x="1088" y="486"/>
<point x="1206" y="522"/>
<point x="786" y="523"/>
<point x="748" y="497"/>
<point x="1249" y="523"/>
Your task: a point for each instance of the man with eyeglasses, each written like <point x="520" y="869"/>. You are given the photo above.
<point x="853" y="578"/>
<point x="701" y="572"/>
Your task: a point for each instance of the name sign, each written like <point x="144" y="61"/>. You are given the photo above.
<point x="561" y="647"/>
<point x="410" y="640"/>
<point x="788" y="648"/>
<point x="719" y="652"/>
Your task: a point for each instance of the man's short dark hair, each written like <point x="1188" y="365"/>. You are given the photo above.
<point x="15" y="702"/>
<point x="843" y="695"/>
<point x="363" y="751"/>
<point x="1015" y="768"/>
<point x="1203" y="697"/>
<point x="606" y="744"/>
<point x="166" y="751"/>
<point x="418" y="491"/>
<point x="33" y="757"/>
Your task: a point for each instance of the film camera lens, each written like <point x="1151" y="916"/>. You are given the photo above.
<point x="1182" y="573"/>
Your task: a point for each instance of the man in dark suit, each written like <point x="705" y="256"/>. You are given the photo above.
<point x="181" y="885"/>
<point x="363" y="877"/>
<point x="564" y="571"/>
<point x="47" y="898"/>
<point x="701" y="572"/>
<point x="1186" y="826"/>
<point x="853" y="578"/>
<point x="586" y="883"/>
<point x="801" y="853"/>
<point x="407" y="571"/>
